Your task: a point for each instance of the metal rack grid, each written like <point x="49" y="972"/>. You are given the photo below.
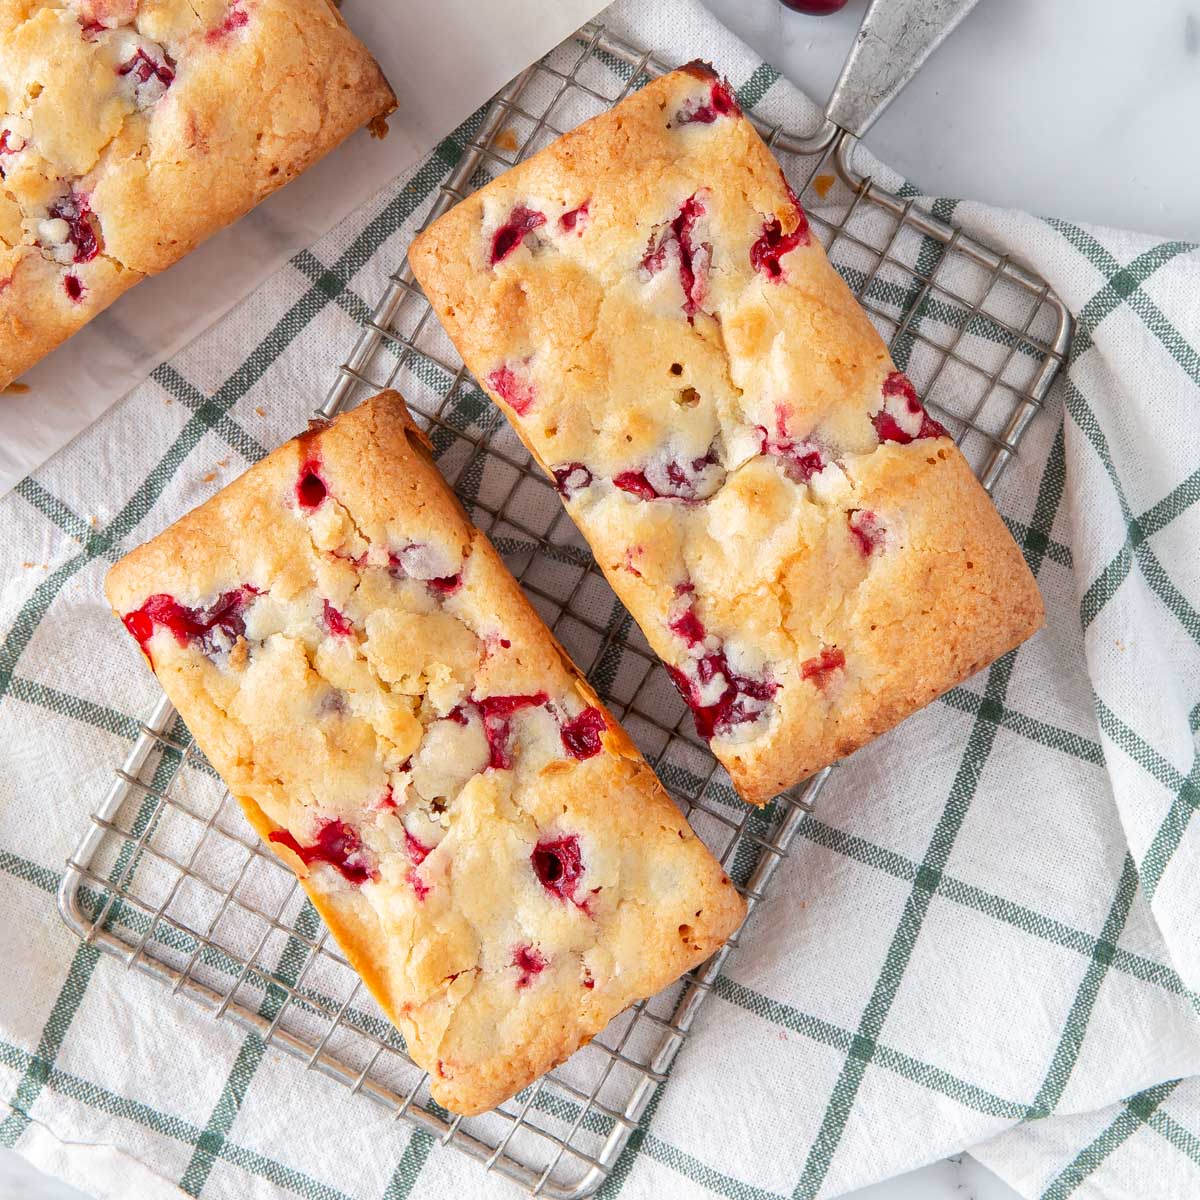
<point x="169" y="878"/>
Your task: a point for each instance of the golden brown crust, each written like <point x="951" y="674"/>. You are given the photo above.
<point x="335" y="662"/>
<point x="155" y="124"/>
<point x="762" y="489"/>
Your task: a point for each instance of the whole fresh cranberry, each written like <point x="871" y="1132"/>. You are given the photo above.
<point x="815" y="8"/>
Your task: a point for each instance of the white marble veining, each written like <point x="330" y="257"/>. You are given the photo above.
<point x="1078" y="108"/>
<point x="1083" y="109"/>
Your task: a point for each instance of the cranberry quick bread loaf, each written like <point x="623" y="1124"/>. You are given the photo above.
<point x="132" y="129"/>
<point x="491" y="851"/>
<point x="801" y="543"/>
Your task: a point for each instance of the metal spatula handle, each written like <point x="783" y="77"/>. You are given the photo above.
<point x="895" y="38"/>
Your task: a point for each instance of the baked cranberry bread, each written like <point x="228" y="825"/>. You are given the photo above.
<point x="132" y="129"/>
<point x="800" y="541"/>
<point x="488" y="847"/>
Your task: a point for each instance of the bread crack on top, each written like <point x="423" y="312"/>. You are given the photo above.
<point x="801" y="542"/>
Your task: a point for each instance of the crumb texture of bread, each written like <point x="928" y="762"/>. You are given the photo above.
<point x="130" y="130"/>
<point x="488" y="847"/>
<point x="800" y="541"/>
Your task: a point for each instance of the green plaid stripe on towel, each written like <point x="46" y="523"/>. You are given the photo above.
<point x="986" y="936"/>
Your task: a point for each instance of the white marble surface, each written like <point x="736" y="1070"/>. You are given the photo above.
<point x="1076" y="108"/>
<point x="19" y="1181"/>
<point x="1084" y="109"/>
<point x="958" y="1178"/>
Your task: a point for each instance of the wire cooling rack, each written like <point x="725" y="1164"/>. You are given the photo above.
<point x="169" y="878"/>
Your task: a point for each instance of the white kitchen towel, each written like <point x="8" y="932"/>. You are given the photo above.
<point x="985" y="936"/>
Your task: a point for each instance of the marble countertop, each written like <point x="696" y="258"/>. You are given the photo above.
<point x="1076" y="109"/>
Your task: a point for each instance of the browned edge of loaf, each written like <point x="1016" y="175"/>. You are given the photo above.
<point x="466" y="1095"/>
